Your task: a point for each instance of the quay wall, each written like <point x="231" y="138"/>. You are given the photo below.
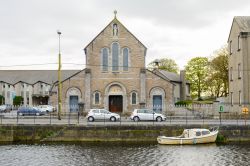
<point x="75" y="133"/>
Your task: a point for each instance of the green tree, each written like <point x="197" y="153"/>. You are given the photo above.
<point x="1" y="99"/>
<point x="17" y="100"/>
<point x="219" y="72"/>
<point x="196" y="73"/>
<point x="165" y="64"/>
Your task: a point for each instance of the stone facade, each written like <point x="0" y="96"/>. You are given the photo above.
<point x="115" y="77"/>
<point x="239" y="60"/>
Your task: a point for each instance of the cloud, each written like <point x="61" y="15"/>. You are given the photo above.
<point x="172" y="28"/>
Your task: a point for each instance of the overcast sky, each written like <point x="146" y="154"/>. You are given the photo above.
<point x="177" y="29"/>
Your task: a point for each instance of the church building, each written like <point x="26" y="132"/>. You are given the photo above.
<point x="115" y="77"/>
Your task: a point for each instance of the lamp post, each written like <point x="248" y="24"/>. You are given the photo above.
<point x="59" y="79"/>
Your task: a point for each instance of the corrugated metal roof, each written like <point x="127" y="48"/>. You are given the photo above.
<point x="243" y="22"/>
<point x="33" y="76"/>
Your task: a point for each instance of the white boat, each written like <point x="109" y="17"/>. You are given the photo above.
<point x="190" y="136"/>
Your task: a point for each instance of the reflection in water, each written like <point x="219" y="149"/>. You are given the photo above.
<point x="124" y="154"/>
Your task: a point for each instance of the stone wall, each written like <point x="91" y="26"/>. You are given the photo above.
<point x="61" y="133"/>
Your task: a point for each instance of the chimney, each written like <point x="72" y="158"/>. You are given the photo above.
<point x="156" y="64"/>
<point x="183" y="85"/>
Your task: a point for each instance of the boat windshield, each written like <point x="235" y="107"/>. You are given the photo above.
<point x="205" y="132"/>
<point x="198" y="133"/>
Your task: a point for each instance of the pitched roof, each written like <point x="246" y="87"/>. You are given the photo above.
<point x="33" y="76"/>
<point x="171" y="76"/>
<point x="243" y="22"/>
<point x="117" y="21"/>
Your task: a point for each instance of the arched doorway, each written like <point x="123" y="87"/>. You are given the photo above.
<point x="72" y="99"/>
<point x="115" y="96"/>
<point x="157" y="98"/>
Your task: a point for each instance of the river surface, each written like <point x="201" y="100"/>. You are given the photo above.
<point x="117" y="154"/>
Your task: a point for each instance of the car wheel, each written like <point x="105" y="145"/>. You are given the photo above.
<point x="158" y="119"/>
<point x="136" y="119"/>
<point x="91" y="119"/>
<point x="37" y="114"/>
<point x="112" y="119"/>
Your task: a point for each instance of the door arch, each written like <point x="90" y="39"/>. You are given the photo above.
<point x="157" y="99"/>
<point x="115" y="97"/>
<point x="73" y="97"/>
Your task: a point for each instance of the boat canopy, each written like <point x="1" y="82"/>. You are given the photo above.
<point x="190" y="133"/>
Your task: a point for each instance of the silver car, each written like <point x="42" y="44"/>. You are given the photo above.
<point x="102" y="114"/>
<point x="146" y="114"/>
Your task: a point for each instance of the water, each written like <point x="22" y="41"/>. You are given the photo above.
<point x="124" y="154"/>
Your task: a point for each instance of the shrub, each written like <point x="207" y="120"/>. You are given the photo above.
<point x="183" y="103"/>
<point x="17" y="100"/>
<point x="1" y="99"/>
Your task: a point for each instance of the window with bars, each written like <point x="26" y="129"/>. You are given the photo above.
<point x="125" y="59"/>
<point x="115" y="57"/>
<point x="97" y="97"/>
<point x="105" y="56"/>
<point x="133" y="98"/>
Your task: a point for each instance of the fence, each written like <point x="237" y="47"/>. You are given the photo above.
<point x="176" y="116"/>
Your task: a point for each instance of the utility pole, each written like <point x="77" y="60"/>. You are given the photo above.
<point x="59" y="80"/>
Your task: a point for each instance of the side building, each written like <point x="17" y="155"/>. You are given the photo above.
<point x="33" y="85"/>
<point x="239" y="60"/>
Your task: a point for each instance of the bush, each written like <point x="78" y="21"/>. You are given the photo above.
<point x="1" y="99"/>
<point x="17" y="100"/>
<point x="183" y="103"/>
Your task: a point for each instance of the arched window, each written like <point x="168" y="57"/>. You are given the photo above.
<point x="133" y="98"/>
<point x="105" y="57"/>
<point x="96" y="98"/>
<point x="125" y="59"/>
<point x="115" y="57"/>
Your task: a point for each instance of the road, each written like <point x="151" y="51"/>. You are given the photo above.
<point x="12" y="118"/>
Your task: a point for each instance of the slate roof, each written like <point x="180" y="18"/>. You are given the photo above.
<point x="33" y="76"/>
<point x="243" y="22"/>
<point x="172" y="76"/>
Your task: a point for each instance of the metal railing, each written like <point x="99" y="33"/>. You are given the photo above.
<point x="75" y="118"/>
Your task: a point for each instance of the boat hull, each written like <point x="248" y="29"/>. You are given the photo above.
<point x="211" y="138"/>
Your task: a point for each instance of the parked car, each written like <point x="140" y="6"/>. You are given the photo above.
<point x="46" y="108"/>
<point x="102" y="114"/>
<point x="5" y="108"/>
<point x="146" y="114"/>
<point x="22" y="111"/>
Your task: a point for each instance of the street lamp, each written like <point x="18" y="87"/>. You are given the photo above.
<point x="59" y="79"/>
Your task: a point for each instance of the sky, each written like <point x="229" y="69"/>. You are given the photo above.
<point x="176" y="29"/>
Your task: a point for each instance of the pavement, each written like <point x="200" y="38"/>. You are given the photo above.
<point x="72" y="119"/>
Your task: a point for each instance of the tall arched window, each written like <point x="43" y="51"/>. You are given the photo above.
<point x="105" y="56"/>
<point x="97" y="98"/>
<point x="133" y="98"/>
<point x="125" y="59"/>
<point x="115" y="57"/>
